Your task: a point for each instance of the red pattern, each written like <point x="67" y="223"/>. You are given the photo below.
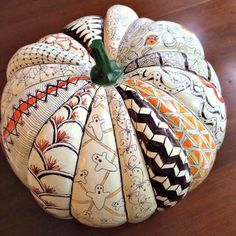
<point x="32" y="102"/>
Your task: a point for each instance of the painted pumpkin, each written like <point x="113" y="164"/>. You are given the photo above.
<point x="111" y="133"/>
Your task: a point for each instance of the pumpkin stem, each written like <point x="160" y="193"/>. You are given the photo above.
<point x="105" y="71"/>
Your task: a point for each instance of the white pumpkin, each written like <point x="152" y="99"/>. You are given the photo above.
<point x="112" y="138"/>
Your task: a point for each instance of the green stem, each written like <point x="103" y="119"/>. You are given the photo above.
<point x="105" y="71"/>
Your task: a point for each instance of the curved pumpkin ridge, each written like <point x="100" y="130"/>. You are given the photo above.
<point x="85" y="30"/>
<point x="27" y="113"/>
<point x="186" y="62"/>
<point x="53" y="158"/>
<point x="213" y="78"/>
<point x="32" y="72"/>
<point x="95" y="199"/>
<point x="157" y="37"/>
<point x="67" y="43"/>
<point x="118" y="19"/>
<point x="54" y="154"/>
<point x="139" y="196"/>
<point x="30" y="76"/>
<point x="200" y="96"/>
<point x="191" y="133"/>
<point x="49" y="54"/>
<point x="166" y="161"/>
<point x="138" y="25"/>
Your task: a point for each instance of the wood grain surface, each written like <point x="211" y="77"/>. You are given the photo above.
<point x="208" y="210"/>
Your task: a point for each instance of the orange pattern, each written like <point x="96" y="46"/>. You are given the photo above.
<point x="151" y="39"/>
<point x="189" y="130"/>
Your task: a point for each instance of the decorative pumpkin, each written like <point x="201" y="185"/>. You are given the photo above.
<point x="110" y="134"/>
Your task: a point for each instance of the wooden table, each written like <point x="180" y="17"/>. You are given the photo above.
<point x="210" y="209"/>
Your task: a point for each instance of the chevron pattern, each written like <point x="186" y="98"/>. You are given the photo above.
<point x="85" y="29"/>
<point x="190" y="132"/>
<point x="166" y="161"/>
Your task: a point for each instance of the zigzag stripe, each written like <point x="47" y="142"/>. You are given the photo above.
<point x="191" y="133"/>
<point x="163" y="184"/>
<point x="32" y="101"/>
<point x="167" y="163"/>
<point x="85" y="29"/>
<point x="176" y="166"/>
<point x="176" y="162"/>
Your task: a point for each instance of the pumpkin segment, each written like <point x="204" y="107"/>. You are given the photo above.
<point x="47" y="68"/>
<point x="171" y="38"/>
<point x="200" y="96"/>
<point x="29" y="55"/>
<point x="139" y="196"/>
<point x="166" y="161"/>
<point x="27" y="113"/>
<point x="118" y="19"/>
<point x="35" y="74"/>
<point x="190" y="132"/>
<point x="85" y="30"/>
<point x="187" y="62"/>
<point x="52" y="161"/>
<point x="67" y="43"/>
<point x="135" y="28"/>
<point x="98" y="199"/>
